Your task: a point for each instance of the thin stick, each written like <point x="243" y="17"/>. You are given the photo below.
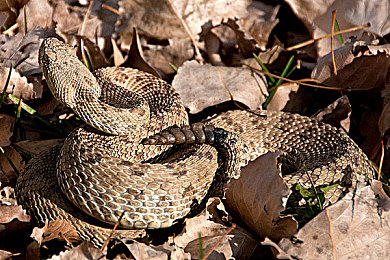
<point x="112" y="231"/>
<point x="10" y="31"/>
<point x="296" y="81"/>
<point x="381" y="161"/>
<point x="183" y="23"/>
<point x="219" y="241"/>
<point x="308" y="42"/>
<point x="109" y="8"/>
<point x="331" y="43"/>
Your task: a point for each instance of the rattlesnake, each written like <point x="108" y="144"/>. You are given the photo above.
<point x="104" y="168"/>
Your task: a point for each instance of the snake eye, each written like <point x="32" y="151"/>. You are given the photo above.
<point x="51" y="55"/>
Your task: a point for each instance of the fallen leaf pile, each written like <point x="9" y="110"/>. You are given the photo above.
<point x="213" y="52"/>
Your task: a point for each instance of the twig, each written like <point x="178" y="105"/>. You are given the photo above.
<point x="183" y="23"/>
<point x="66" y="239"/>
<point x="219" y="241"/>
<point x="112" y="231"/>
<point x="381" y="161"/>
<point x="10" y="31"/>
<point x="331" y="43"/>
<point x="308" y="42"/>
<point x="299" y="82"/>
<point x="109" y="8"/>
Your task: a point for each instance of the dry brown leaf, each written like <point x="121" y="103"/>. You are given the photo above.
<point x="7" y="172"/>
<point x="21" y="51"/>
<point x="355" y="64"/>
<point x="6" y="126"/>
<point x="36" y="147"/>
<point x="98" y="58"/>
<point x="135" y="58"/>
<point x="101" y="23"/>
<point x="176" y="53"/>
<point x="9" y="209"/>
<point x="283" y="96"/>
<point x="9" y="11"/>
<point x="118" y="57"/>
<point x="337" y="114"/>
<point x="157" y="19"/>
<point x="260" y="22"/>
<point x="384" y="119"/>
<point x="18" y="85"/>
<point x="353" y="228"/>
<point x="359" y="67"/>
<point x="144" y="252"/>
<point x="83" y="251"/>
<point x="33" y="251"/>
<point x="215" y="83"/>
<point x="384" y="199"/>
<point x="10" y="212"/>
<point x="252" y="31"/>
<point x="38" y="12"/>
<point x="58" y="229"/>
<point x="66" y="21"/>
<point x="317" y="16"/>
<point x="5" y="254"/>
<point x="260" y="209"/>
<point x="208" y="225"/>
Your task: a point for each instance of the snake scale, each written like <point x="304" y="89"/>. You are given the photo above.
<point x="105" y="168"/>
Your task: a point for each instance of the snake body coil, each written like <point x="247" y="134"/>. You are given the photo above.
<point x="104" y="169"/>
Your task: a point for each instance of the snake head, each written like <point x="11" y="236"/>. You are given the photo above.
<point x="65" y="74"/>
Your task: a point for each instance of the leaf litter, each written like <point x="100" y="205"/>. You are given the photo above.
<point x="209" y="43"/>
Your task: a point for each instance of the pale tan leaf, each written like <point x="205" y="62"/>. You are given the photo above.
<point x="118" y="57"/>
<point x="39" y="13"/>
<point x="10" y="212"/>
<point x="144" y="252"/>
<point x="64" y="19"/>
<point x="176" y="53"/>
<point x="6" y="126"/>
<point x="5" y="254"/>
<point x="215" y="84"/>
<point x="260" y="22"/>
<point x="158" y="20"/>
<point x="58" y="229"/>
<point x="283" y="96"/>
<point x="209" y="226"/>
<point x="317" y="16"/>
<point x="353" y="228"/>
<point x="260" y="208"/>
<point x="18" y="85"/>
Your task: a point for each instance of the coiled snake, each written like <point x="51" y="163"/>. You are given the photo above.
<point x="104" y="168"/>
